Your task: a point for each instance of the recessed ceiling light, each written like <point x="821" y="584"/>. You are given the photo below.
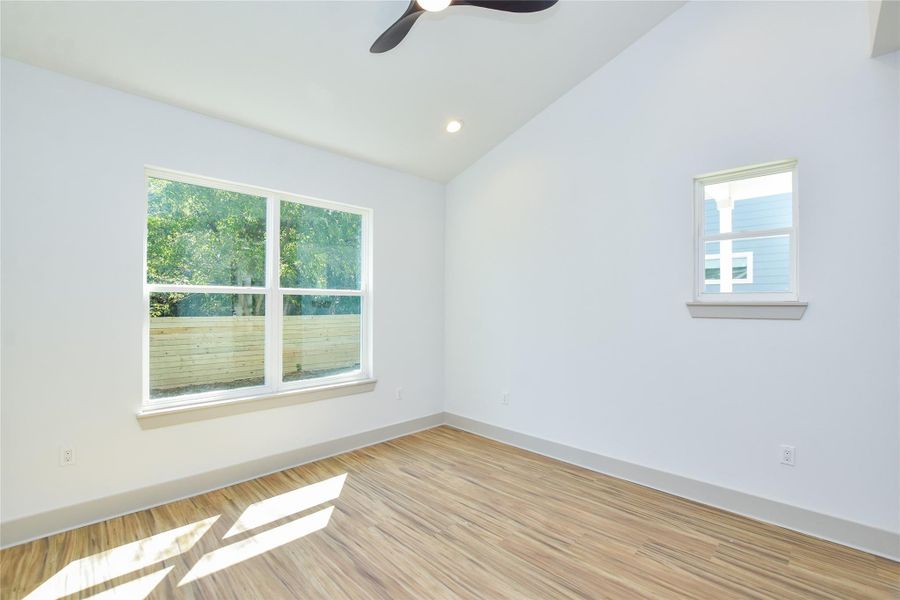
<point x="433" y="5"/>
<point x="454" y="126"/>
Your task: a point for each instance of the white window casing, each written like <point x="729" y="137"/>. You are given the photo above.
<point x="729" y="302"/>
<point x="274" y="293"/>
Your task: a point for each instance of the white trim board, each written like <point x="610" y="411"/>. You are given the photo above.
<point x="747" y="310"/>
<point x="150" y="417"/>
<point x="32" y="527"/>
<point x="834" y="529"/>
<point x="848" y="533"/>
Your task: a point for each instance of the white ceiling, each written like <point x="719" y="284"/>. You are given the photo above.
<point x="303" y="71"/>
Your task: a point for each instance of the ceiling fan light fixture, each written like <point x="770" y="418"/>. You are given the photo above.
<point x="453" y="126"/>
<point x="394" y="34"/>
<point x="433" y="5"/>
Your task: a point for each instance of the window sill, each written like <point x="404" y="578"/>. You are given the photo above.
<point x="151" y="418"/>
<point x="747" y="310"/>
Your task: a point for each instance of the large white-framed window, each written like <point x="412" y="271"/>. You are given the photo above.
<point x="746" y="234"/>
<point x="251" y="292"/>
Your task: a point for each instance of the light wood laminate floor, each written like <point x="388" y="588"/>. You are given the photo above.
<point x="439" y="514"/>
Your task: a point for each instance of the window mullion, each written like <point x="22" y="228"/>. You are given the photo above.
<point x="273" y="297"/>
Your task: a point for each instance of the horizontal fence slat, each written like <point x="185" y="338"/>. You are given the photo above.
<point x="190" y="352"/>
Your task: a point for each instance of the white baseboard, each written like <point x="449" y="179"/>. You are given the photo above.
<point x="848" y="533"/>
<point x="856" y="535"/>
<point x="36" y="526"/>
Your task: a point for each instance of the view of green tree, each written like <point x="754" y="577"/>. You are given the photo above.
<point x="198" y="235"/>
<point x="322" y="305"/>
<point x="320" y="248"/>
<point x="207" y="305"/>
<point x="204" y="236"/>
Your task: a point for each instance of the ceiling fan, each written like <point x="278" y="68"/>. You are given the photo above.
<point x="396" y="32"/>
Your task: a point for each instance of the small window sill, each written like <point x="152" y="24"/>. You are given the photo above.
<point x="747" y="310"/>
<point x="153" y="417"/>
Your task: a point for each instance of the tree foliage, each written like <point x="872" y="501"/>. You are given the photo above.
<point x="320" y="248"/>
<point x="205" y="236"/>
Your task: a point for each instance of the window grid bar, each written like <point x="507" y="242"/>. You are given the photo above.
<point x="741" y="235"/>
<point x="163" y="288"/>
<point x="319" y="292"/>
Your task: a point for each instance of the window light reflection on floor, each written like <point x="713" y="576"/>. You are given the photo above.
<point x="136" y="589"/>
<point x="271" y="509"/>
<point x="98" y="568"/>
<point x="260" y="543"/>
<point x="95" y="569"/>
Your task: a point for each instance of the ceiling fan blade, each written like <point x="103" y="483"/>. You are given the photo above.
<point x="394" y="34"/>
<point x="516" y="6"/>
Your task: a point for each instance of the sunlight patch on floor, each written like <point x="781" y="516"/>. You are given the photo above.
<point x="271" y="509"/>
<point x="99" y="568"/>
<point x="136" y="589"/>
<point x="95" y="569"/>
<point x="227" y="556"/>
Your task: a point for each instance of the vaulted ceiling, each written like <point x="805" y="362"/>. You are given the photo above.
<point x="302" y="70"/>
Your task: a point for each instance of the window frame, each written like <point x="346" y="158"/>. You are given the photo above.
<point x="700" y="238"/>
<point x="274" y="294"/>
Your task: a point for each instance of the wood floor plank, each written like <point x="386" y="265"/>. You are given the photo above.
<point x="441" y="514"/>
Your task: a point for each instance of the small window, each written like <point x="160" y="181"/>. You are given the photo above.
<point x="250" y="292"/>
<point x="746" y="223"/>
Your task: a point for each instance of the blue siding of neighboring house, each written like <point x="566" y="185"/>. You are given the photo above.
<point x="771" y="255"/>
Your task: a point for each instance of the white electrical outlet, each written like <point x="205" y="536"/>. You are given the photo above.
<point x="504" y="399"/>
<point x="399" y="395"/>
<point x="66" y="456"/>
<point x="788" y="455"/>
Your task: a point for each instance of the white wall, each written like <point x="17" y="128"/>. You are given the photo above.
<point x="73" y="156"/>
<point x="568" y="262"/>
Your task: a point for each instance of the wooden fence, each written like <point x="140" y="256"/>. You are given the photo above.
<point x="192" y="352"/>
